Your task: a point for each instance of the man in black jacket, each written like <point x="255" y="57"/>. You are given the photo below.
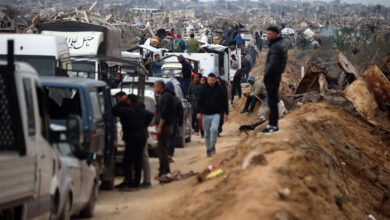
<point x="177" y="121"/>
<point x="185" y="73"/>
<point x="212" y="101"/>
<point x="134" y="120"/>
<point x="274" y="67"/>
<point x="164" y="120"/>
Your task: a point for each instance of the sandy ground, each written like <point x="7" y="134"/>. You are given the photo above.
<point x="326" y="163"/>
<point x="149" y="203"/>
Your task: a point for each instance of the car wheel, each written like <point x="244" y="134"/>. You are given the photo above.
<point x="67" y="210"/>
<point x="180" y="140"/>
<point x="109" y="184"/>
<point x="89" y="209"/>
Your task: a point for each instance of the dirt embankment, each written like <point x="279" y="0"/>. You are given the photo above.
<point x="324" y="164"/>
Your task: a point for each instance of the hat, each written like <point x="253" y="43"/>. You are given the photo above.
<point x="252" y="78"/>
<point x="169" y="86"/>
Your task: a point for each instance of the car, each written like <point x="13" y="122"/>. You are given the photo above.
<point x="28" y="159"/>
<point x="91" y="101"/>
<point x="130" y="85"/>
<point x="78" y="182"/>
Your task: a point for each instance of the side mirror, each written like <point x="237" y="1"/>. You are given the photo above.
<point x="73" y="130"/>
<point x="69" y="134"/>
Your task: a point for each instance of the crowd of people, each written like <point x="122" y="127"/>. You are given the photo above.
<point x="210" y="108"/>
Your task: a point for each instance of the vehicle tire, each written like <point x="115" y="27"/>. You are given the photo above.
<point x="189" y="137"/>
<point x="89" y="209"/>
<point x="67" y="210"/>
<point x="180" y="140"/>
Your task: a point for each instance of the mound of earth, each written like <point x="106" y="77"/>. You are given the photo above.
<point x="324" y="164"/>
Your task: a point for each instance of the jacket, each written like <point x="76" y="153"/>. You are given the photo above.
<point x="237" y="78"/>
<point x="186" y="69"/>
<point x="178" y="114"/>
<point x="181" y="42"/>
<point x="156" y="68"/>
<point x="212" y="100"/>
<point x="257" y="89"/>
<point x="276" y="60"/>
<point x="238" y="39"/>
<point x="192" y="46"/>
<point x="132" y="119"/>
<point x="165" y="108"/>
<point x="193" y="94"/>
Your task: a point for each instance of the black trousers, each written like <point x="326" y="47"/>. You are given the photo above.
<point x="221" y="122"/>
<point x="250" y="101"/>
<point x="195" y="125"/>
<point x="236" y="90"/>
<point x="132" y="161"/>
<point x="273" y="100"/>
<point x="162" y="148"/>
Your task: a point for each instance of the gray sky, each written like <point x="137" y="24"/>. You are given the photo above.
<point x="382" y="2"/>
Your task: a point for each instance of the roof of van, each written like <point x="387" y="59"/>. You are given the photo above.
<point x="35" y="44"/>
<point x="71" y="82"/>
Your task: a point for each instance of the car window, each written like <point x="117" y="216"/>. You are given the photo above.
<point x="179" y="91"/>
<point x="95" y="105"/>
<point x="63" y="102"/>
<point x="42" y="107"/>
<point x="28" y="93"/>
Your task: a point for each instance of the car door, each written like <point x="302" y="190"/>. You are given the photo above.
<point x="70" y="173"/>
<point x="187" y="110"/>
<point x="39" y="146"/>
<point x="98" y="121"/>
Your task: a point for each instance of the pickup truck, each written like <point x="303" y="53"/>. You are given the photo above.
<point x="28" y="159"/>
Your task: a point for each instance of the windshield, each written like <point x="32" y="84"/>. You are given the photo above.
<point x="44" y="65"/>
<point x="134" y="85"/>
<point x="84" y="68"/>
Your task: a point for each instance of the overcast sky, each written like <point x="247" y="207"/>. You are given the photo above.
<point x="382" y="2"/>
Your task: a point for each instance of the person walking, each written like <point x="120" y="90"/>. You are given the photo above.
<point x="178" y="45"/>
<point x="274" y="67"/>
<point x="246" y="68"/>
<point x="192" y="45"/>
<point x="177" y="121"/>
<point x="185" y="73"/>
<point x="156" y="66"/>
<point x="257" y="90"/>
<point x="236" y="88"/>
<point x="193" y="95"/>
<point x="164" y="120"/>
<point x="134" y="120"/>
<point x="203" y="82"/>
<point x="222" y="85"/>
<point x="211" y="103"/>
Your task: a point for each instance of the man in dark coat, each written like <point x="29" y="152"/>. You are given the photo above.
<point x="185" y="73"/>
<point x="274" y="67"/>
<point x="236" y="85"/>
<point x="178" y="119"/>
<point x="134" y="120"/>
<point x="164" y="120"/>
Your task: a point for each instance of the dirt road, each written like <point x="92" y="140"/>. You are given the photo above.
<point x="149" y="203"/>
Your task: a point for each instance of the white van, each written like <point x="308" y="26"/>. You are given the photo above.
<point x="47" y="54"/>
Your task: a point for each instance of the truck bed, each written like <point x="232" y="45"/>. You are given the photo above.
<point x="18" y="179"/>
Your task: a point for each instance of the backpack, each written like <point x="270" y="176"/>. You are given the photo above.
<point x="176" y="46"/>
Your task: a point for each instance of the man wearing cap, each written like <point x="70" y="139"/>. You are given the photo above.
<point x="274" y="67"/>
<point x="257" y="91"/>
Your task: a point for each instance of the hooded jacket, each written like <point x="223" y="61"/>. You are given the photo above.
<point x="276" y="60"/>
